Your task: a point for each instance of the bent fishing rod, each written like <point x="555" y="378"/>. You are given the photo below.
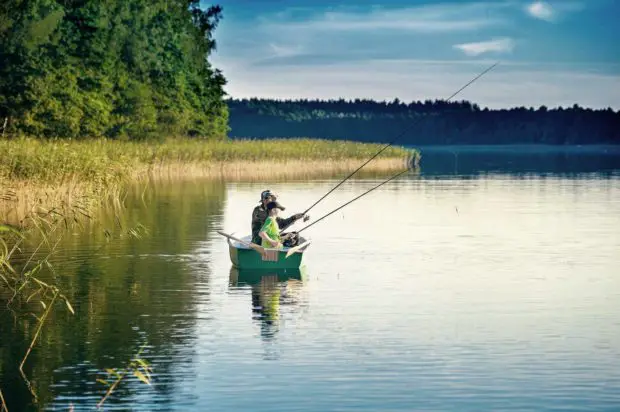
<point x="353" y="200"/>
<point x="400" y="135"/>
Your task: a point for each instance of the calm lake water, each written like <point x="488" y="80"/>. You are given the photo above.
<point x="488" y="284"/>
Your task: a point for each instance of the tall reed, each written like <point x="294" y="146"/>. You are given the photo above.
<point x="40" y="173"/>
<point x="107" y="160"/>
<point x="25" y="254"/>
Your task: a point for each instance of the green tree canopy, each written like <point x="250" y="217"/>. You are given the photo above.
<point x="123" y="69"/>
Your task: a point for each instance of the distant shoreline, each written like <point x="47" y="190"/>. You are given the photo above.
<point x="524" y="148"/>
<point x="422" y="123"/>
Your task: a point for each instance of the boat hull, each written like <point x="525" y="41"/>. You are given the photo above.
<point x="243" y="257"/>
<point x="239" y="277"/>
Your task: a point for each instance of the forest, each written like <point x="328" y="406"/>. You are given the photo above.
<point x="128" y="69"/>
<point x="432" y="122"/>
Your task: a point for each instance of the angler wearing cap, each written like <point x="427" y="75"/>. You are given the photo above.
<point x="260" y="214"/>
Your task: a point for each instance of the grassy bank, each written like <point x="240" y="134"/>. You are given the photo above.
<point x="44" y="174"/>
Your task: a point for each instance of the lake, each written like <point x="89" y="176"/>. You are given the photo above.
<point x="488" y="281"/>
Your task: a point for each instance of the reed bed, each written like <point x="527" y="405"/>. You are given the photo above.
<point x="41" y="174"/>
<point x="276" y="170"/>
<point x="105" y="160"/>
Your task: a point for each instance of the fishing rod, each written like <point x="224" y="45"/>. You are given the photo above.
<point x="353" y="200"/>
<point x="399" y="136"/>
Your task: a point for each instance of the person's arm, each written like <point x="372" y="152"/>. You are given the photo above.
<point x="284" y="223"/>
<point x="257" y="223"/>
<point x="265" y="236"/>
<point x="255" y="215"/>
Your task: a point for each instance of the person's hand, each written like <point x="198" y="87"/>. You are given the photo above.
<point x="306" y="218"/>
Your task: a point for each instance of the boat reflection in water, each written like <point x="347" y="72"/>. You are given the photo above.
<point x="271" y="290"/>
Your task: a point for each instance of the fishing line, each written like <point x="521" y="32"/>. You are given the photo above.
<point x="353" y="200"/>
<point x="400" y="135"/>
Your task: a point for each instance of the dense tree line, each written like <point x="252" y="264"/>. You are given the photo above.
<point x="429" y="123"/>
<point x="117" y="68"/>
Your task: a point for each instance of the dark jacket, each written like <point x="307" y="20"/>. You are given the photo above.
<point x="259" y="215"/>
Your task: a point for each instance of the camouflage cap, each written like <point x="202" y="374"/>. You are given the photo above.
<point x="265" y="194"/>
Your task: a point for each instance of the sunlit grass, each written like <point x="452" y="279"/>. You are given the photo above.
<point x="41" y="174"/>
<point x="104" y="161"/>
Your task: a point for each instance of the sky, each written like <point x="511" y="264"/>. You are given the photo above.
<point x="553" y="53"/>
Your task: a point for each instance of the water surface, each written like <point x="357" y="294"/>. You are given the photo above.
<point x="479" y="289"/>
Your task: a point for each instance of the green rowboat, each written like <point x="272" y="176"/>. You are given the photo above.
<point x="246" y="255"/>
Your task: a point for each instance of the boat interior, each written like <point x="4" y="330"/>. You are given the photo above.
<point x="248" y="239"/>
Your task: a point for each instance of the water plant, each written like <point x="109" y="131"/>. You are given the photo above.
<point x="29" y="284"/>
<point x="137" y="366"/>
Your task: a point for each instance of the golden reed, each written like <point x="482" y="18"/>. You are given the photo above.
<point x="43" y="182"/>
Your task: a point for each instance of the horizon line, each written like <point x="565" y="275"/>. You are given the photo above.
<point x="407" y="102"/>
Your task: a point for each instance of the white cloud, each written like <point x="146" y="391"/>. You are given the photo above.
<point x="504" y="45"/>
<point x="541" y="10"/>
<point x="426" y="19"/>
<point x="284" y="50"/>
<point x="552" y="13"/>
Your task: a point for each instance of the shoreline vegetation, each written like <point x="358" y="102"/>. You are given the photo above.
<point x="37" y="175"/>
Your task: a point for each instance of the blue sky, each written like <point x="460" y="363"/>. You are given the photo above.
<point x="552" y="53"/>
